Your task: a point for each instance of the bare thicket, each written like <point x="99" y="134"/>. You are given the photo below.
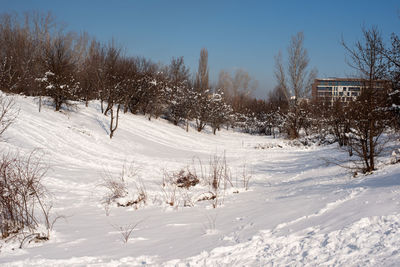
<point x="210" y="181"/>
<point x="217" y="176"/>
<point x="24" y="201"/>
<point x="20" y="45"/>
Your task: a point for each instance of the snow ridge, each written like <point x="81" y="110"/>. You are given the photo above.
<point x="351" y="246"/>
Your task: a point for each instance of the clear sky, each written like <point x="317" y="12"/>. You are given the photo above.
<point x="238" y="34"/>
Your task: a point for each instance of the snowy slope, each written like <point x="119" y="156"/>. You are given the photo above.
<point x="299" y="211"/>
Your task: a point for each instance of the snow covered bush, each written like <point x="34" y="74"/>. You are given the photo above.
<point x="199" y="182"/>
<point x="186" y="179"/>
<point x="124" y="190"/>
<point x="217" y="176"/>
<point x="23" y="198"/>
<point x="169" y="189"/>
<point x="116" y="188"/>
<point x="176" y="186"/>
<point x="395" y="158"/>
<point x="179" y="94"/>
<point x="219" y="111"/>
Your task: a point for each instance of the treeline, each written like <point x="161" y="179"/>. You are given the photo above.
<point x="38" y="58"/>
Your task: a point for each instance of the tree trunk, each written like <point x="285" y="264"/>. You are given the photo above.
<point x="112" y="127"/>
<point x="371" y="146"/>
<point x="40" y="103"/>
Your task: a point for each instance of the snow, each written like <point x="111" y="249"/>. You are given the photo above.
<point x="298" y="211"/>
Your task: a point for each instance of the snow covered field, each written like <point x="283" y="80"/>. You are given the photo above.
<point x="298" y="211"/>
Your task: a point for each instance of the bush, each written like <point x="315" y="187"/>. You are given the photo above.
<point x="22" y="195"/>
<point x="125" y="190"/>
<point x="203" y="182"/>
<point x="8" y="112"/>
<point x="176" y="186"/>
<point x="186" y="179"/>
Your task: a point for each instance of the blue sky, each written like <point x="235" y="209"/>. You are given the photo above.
<point x="237" y="34"/>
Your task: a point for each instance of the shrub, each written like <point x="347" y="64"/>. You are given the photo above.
<point x="125" y="190"/>
<point x="8" y="112"/>
<point x="179" y="182"/>
<point x="116" y="187"/>
<point x="186" y="179"/>
<point x="23" y="198"/>
<point x="126" y="231"/>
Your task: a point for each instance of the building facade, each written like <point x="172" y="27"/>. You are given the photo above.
<point x="342" y="89"/>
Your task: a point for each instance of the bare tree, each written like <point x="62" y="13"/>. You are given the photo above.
<point x="16" y="57"/>
<point x="114" y="118"/>
<point x="202" y="80"/>
<point x="91" y="73"/>
<point x="202" y="91"/>
<point x="43" y="27"/>
<point x="219" y="111"/>
<point x="392" y="55"/>
<point x="295" y="81"/>
<point x="59" y="81"/>
<point x="141" y="75"/>
<point x="178" y="93"/>
<point x="237" y="89"/>
<point x="22" y="42"/>
<point x="368" y="116"/>
<point x="8" y="113"/>
<point x="113" y="84"/>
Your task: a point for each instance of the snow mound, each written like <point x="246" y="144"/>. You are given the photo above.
<point x="353" y="245"/>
